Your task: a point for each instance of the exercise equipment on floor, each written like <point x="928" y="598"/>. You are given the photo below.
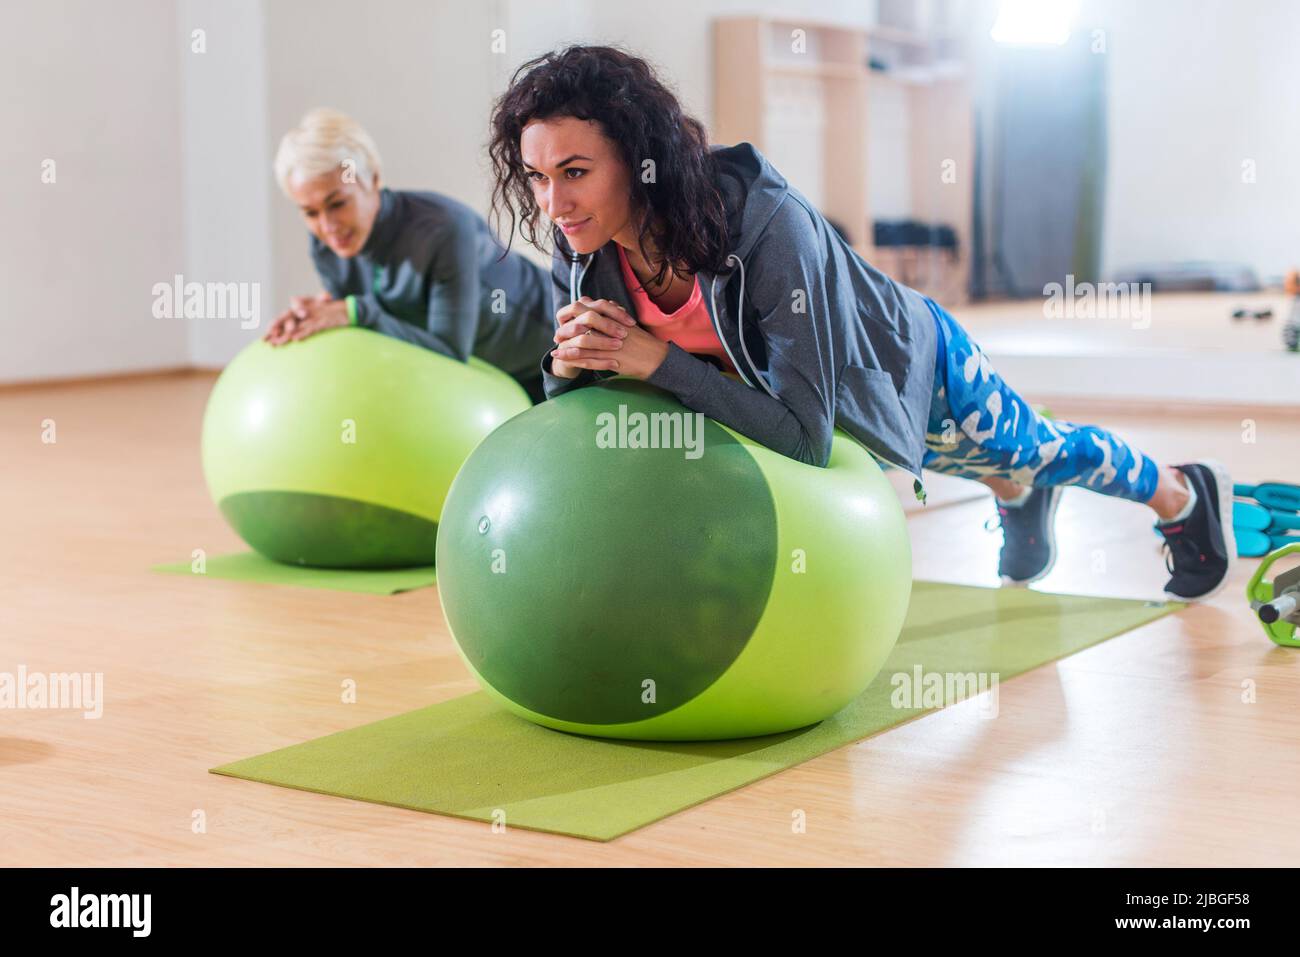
<point x="1250" y="524"/>
<point x="1271" y="521"/>
<point x="337" y="451"/>
<point x="612" y="564"/>
<point x="1277" y="602"/>
<point x="1290" y="328"/>
<point x="1274" y="495"/>
<point x="1267" y="523"/>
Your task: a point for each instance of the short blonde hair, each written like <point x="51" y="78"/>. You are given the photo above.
<point x="322" y="142"/>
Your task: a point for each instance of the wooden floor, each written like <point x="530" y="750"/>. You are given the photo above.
<point x="1138" y="751"/>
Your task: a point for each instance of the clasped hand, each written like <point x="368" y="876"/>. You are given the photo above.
<point x="599" y="334"/>
<point x="305" y="317"/>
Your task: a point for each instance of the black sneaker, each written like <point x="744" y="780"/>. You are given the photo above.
<point x="1028" y="536"/>
<point x="1200" y="549"/>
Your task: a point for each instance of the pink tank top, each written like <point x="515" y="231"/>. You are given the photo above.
<point x="689" y="326"/>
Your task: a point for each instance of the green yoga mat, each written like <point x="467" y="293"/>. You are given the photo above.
<point x="468" y="758"/>
<point x="252" y="567"/>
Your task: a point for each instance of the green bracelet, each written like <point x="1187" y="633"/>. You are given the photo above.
<point x="351" y="303"/>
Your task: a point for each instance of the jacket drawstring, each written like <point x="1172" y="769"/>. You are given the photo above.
<point x="740" y="333"/>
<point x="575" y="280"/>
<point x="918" y="487"/>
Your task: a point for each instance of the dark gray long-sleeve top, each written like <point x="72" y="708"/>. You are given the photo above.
<point x="432" y="273"/>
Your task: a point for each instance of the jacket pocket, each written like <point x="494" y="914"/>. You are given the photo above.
<point x="869" y="409"/>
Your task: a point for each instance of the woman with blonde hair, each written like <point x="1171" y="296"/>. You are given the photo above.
<point x="417" y="266"/>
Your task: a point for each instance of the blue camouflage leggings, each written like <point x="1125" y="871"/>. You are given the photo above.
<point x="979" y="427"/>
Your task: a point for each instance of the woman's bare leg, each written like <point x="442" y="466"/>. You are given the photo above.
<point x="1003" y="488"/>
<point x="1170" y="495"/>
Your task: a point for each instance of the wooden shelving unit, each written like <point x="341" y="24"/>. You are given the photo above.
<point x="802" y="92"/>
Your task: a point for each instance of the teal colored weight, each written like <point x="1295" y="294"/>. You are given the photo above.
<point x="1282" y="521"/>
<point x="1280" y="495"/>
<point x="1251" y="543"/>
<point x="1247" y="515"/>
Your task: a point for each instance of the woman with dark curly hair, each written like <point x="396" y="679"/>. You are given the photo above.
<point x="676" y="262"/>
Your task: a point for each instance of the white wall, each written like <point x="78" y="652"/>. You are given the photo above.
<point x="888" y="153"/>
<point x="1196" y="87"/>
<point x="163" y="155"/>
<point x="226" y="166"/>
<point x="419" y="76"/>
<point x="422" y="78"/>
<point x="94" y="87"/>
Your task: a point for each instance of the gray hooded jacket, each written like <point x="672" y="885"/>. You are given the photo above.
<point x="820" y="338"/>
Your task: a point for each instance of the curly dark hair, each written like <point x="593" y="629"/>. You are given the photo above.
<point x="682" y="213"/>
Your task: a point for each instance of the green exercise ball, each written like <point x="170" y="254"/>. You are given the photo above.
<point x="601" y="588"/>
<point x="337" y="451"/>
